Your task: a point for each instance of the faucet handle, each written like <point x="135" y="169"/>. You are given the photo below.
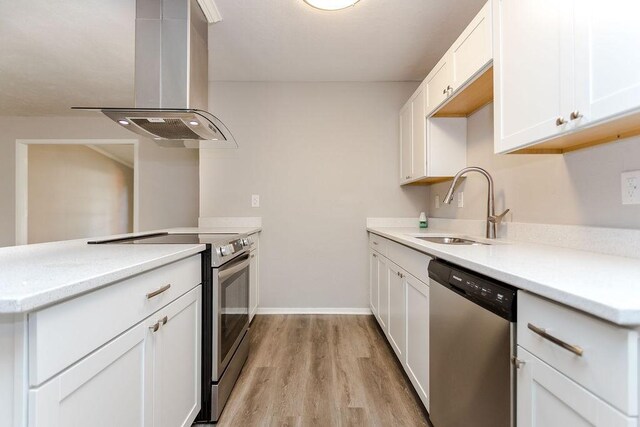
<point x="497" y="219"/>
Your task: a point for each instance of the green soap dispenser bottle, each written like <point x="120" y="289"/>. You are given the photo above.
<point x="423" y="220"/>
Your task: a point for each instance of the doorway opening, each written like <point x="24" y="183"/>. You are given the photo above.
<point x="73" y="189"/>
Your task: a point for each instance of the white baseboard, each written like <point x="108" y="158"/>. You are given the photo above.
<point x="320" y="310"/>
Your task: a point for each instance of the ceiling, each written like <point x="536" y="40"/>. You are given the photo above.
<point x="57" y="54"/>
<point x="375" y="40"/>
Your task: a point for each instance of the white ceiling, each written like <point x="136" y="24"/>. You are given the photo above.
<point x="376" y="40"/>
<point x="57" y="54"/>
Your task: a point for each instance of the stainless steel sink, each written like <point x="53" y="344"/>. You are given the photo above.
<point x="443" y="240"/>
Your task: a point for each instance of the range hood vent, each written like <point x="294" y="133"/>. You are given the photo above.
<point x="171" y="78"/>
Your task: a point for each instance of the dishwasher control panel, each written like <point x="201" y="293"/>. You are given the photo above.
<point x="493" y="295"/>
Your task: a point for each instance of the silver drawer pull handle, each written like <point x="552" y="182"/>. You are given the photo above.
<point x="158" y="291"/>
<point x="560" y="121"/>
<point x="164" y="320"/>
<point x="375" y="256"/>
<point x="155" y="327"/>
<point x="375" y="243"/>
<point x="575" y="115"/>
<point x="519" y="363"/>
<point x="543" y="333"/>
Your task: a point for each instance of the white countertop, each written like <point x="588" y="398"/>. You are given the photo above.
<point x="34" y="276"/>
<point x="605" y="286"/>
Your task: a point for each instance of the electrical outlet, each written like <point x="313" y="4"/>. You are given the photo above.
<point x="461" y="199"/>
<point x="630" y="184"/>
<point x="437" y="201"/>
<point x="255" y="201"/>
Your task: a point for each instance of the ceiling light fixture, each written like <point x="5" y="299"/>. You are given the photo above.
<point x="123" y="122"/>
<point x="331" y="4"/>
<point x="193" y="123"/>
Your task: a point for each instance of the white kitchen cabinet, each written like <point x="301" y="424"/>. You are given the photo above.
<point x="580" y="78"/>
<point x="572" y="368"/>
<point x="111" y="387"/>
<point x="383" y="293"/>
<point x="176" y="362"/>
<point x="431" y="149"/>
<point x="533" y="71"/>
<point x="403" y="311"/>
<point x="439" y="83"/>
<point x="419" y="141"/>
<point x="417" y="346"/>
<point x="397" y="310"/>
<point x="473" y="50"/>
<point x="412" y="138"/>
<point x="254" y="276"/>
<point x="147" y="376"/>
<point x="406" y="142"/>
<point x="547" y="398"/>
<point x="607" y="58"/>
<point x="373" y="281"/>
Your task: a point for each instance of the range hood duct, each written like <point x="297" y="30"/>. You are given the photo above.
<point x="171" y="79"/>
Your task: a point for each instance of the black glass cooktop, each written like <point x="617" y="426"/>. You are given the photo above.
<point x="166" y="238"/>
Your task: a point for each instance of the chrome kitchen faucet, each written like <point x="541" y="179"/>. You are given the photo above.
<point x="492" y="219"/>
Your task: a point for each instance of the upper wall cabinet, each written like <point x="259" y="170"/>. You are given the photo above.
<point x="565" y="73"/>
<point x="432" y="122"/>
<point x="431" y="149"/>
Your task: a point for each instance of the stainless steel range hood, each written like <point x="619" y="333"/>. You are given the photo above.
<point x="171" y="79"/>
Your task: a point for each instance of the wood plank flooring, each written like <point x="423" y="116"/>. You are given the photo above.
<point x="321" y="370"/>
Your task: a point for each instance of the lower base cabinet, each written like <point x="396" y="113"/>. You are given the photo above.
<point x="397" y="310"/>
<point x="417" y="351"/>
<point x="402" y="308"/>
<point x="148" y="376"/>
<point x="547" y="398"/>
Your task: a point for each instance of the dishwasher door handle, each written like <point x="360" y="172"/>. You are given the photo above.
<point x="577" y="350"/>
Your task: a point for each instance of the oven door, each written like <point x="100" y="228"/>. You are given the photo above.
<point x="231" y="311"/>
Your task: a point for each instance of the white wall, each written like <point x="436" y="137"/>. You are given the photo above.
<point x="323" y="157"/>
<point x="76" y="192"/>
<point x="581" y="187"/>
<point x="168" y="178"/>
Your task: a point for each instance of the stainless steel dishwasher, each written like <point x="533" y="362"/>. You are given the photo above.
<point x="472" y="342"/>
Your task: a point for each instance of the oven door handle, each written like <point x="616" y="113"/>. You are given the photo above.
<point x="232" y="269"/>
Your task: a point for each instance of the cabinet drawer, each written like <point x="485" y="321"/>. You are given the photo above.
<point x="378" y="244"/>
<point x="608" y="366"/>
<point x="414" y="262"/>
<point x="64" y="333"/>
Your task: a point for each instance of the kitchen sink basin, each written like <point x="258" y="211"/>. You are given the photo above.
<point x="444" y="240"/>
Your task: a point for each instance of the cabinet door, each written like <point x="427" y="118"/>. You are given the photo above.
<point x="546" y="398"/>
<point x="253" y="283"/>
<point x="419" y="158"/>
<point x="373" y="281"/>
<point x="406" y="142"/>
<point x="607" y="62"/>
<point x="110" y="387"/>
<point x="439" y="80"/>
<point x="176" y="365"/>
<point x="533" y="71"/>
<point x="473" y="49"/>
<point x="383" y="292"/>
<point x="417" y="353"/>
<point x="397" y="310"/>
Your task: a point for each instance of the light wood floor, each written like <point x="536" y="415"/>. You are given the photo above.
<point x="321" y="370"/>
